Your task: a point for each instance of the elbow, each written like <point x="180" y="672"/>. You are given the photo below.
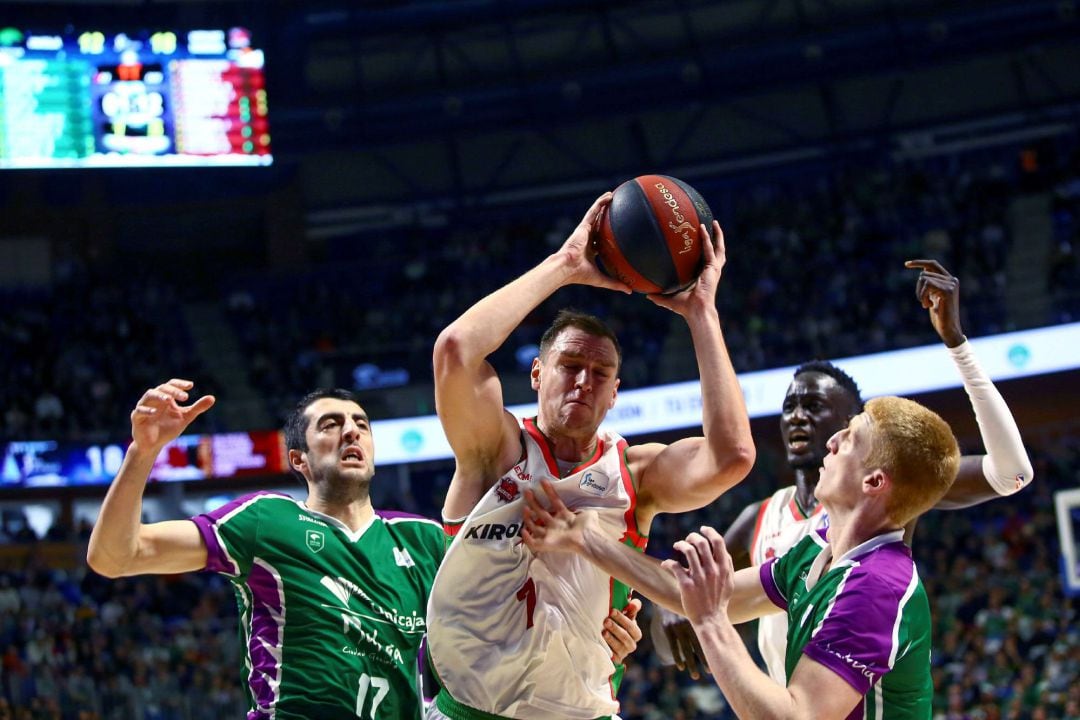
<point x="450" y="351"/>
<point x="103" y="563"/>
<point x="102" y="566"/>
<point x="738" y="463"/>
<point x="731" y="469"/>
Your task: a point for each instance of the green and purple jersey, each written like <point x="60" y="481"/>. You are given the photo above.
<point x="331" y="619"/>
<point x="866" y="618"/>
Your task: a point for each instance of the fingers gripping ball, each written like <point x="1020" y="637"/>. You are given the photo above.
<point x="650" y="235"/>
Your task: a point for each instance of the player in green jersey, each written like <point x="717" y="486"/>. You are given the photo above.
<point x="332" y="593"/>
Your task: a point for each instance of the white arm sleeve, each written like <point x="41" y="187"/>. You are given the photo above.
<point x="1006" y="465"/>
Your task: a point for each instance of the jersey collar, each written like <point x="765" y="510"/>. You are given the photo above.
<point x="850" y="557"/>
<point x="353" y="536"/>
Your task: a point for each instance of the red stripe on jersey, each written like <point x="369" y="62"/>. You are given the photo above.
<point x="757" y="526"/>
<point x="630" y="517"/>
<point x="530" y="427"/>
<point x="453" y="528"/>
<point x="545" y="448"/>
<point x="596" y="456"/>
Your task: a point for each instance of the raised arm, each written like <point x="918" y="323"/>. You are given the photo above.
<point x="692" y="472"/>
<point x="468" y="394"/>
<point x="1005" y="468"/>
<point x="120" y="544"/>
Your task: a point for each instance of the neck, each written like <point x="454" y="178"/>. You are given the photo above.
<point x="849" y="529"/>
<point x="805" y="482"/>
<point x="569" y="448"/>
<point x="355" y="512"/>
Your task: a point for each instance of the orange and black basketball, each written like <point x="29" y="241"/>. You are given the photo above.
<point x="650" y="235"/>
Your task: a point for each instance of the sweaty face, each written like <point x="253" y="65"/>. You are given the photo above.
<point x="340" y="446"/>
<point x="815" y="408"/>
<point x="576" y="382"/>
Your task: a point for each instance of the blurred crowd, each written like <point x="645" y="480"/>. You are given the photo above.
<point x="815" y="269"/>
<point x="1006" y="638"/>
<point x="71" y="352"/>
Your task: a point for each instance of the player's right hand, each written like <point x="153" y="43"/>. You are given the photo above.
<point x="158" y="418"/>
<point x="579" y="251"/>
<point x="939" y="292"/>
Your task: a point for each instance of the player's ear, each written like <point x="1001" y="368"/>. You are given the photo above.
<point x="614" y="394"/>
<point x="534" y="374"/>
<point x="876" y="482"/>
<point x="298" y="460"/>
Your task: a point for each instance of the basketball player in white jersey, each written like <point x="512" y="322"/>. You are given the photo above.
<point x="819" y="402"/>
<point x="513" y="635"/>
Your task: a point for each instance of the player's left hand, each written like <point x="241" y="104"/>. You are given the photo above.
<point x="622" y="632"/>
<point x="703" y="292"/>
<point x="939" y="292"/>
<point x="708" y="580"/>
<point x="554" y="528"/>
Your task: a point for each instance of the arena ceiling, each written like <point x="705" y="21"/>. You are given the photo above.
<point x="380" y="105"/>
<point x="486" y="102"/>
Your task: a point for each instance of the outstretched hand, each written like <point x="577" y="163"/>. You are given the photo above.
<point x="939" y="292"/>
<point x="159" y="418"/>
<point x="555" y="528"/>
<point x="703" y="290"/>
<point x="708" y="580"/>
<point x="580" y="252"/>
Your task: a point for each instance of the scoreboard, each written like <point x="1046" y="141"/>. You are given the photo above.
<point x="52" y="463"/>
<point x="156" y="98"/>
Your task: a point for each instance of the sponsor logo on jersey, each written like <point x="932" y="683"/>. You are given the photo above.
<point x="493" y="531"/>
<point x="402" y="558"/>
<point x="507" y="490"/>
<point x="316" y="541"/>
<point x="594" y="483"/>
<point x="305" y="518"/>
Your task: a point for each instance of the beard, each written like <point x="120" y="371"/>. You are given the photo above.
<point x="340" y="488"/>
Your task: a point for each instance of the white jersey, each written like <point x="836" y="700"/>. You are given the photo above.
<point x="519" y="635"/>
<point x="780" y="525"/>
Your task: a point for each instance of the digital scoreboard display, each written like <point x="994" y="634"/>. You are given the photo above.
<point x="157" y="98"/>
<point x="51" y="463"/>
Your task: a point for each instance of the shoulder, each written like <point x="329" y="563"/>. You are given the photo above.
<point x="405" y="520"/>
<point x="251" y="502"/>
<point x="803" y="553"/>
<point x="886" y="577"/>
<point x="402" y="523"/>
<point x="639" y="456"/>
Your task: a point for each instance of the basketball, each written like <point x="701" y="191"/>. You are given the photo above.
<point x="649" y="236"/>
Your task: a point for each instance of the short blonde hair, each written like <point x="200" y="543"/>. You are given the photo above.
<point x="917" y="449"/>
